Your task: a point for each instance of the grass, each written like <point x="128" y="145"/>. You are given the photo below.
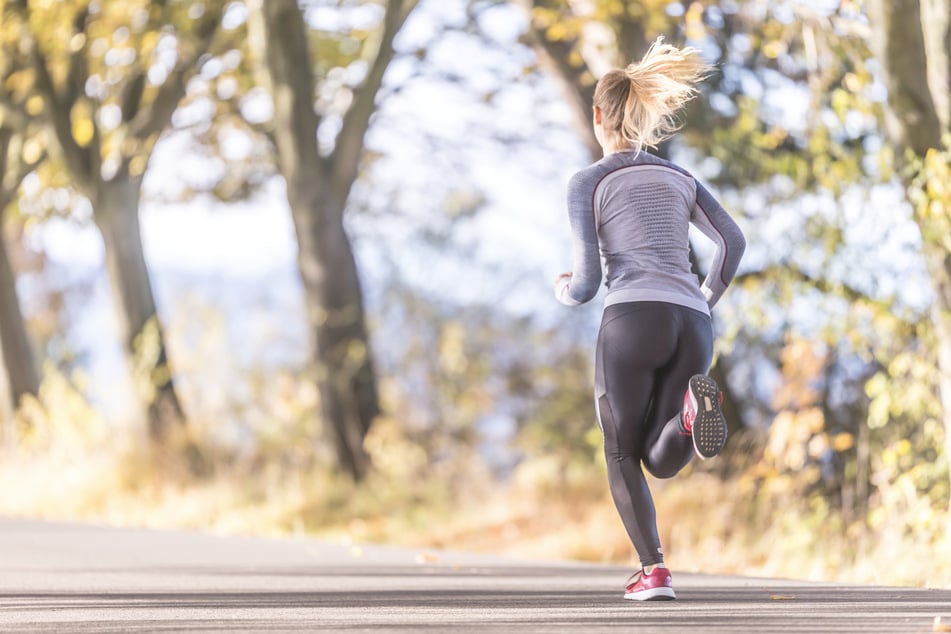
<point x="546" y="511"/>
<point x="705" y="527"/>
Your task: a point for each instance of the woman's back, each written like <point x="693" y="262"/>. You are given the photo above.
<point x="634" y="210"/>
<point x="643" y="213"/>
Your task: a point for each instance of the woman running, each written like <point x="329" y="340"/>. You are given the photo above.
<point x="655" y="404"/>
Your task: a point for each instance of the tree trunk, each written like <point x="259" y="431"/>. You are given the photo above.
<point x="576" y="84"/>
<point x="336" y="320"/>
<point x="316" y="191"/>
<point x="116" y="210"/>
<point x="899" y="44"/>
<point x="18" y="360"/>
<point x="22" y="375"/>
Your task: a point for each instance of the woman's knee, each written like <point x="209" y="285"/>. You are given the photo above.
<point x="662" y="471"/>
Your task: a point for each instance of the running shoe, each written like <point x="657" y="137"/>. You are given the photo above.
<point x="655" y="586"/>
<point x="702" y="417"/>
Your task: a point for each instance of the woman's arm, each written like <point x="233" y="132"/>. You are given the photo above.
<point x="715" y="223"/>
<point x="581" y="285"/>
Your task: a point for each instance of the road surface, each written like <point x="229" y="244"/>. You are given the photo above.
<point x="78" y="578"/>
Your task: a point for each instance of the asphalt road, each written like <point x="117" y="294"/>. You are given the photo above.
<point x="77" y="578"/>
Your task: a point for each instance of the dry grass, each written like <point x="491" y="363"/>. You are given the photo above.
<point x="707" y="527"/>
<point x="546" y="512"/>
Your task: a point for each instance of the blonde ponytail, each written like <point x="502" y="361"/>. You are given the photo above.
<point x="639" y="104"/>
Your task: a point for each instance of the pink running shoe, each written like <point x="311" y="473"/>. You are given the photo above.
<point x="702" y="417"/>
<point x="655" y="586"/>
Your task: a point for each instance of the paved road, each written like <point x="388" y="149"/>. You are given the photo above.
<point x="74" y="578"/>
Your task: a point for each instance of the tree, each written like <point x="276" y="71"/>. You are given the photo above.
<point x="912" y="42"/>
<point x="318" y="187"/>
<point x="110" y="76"/>
<point x="19" y="155"/>
<point x="18" y="358"/>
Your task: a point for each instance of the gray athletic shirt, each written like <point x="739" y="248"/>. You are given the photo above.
<point x="633" y="210"/>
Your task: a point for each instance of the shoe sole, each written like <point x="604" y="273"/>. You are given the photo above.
<point x="654" y="594"/>
<point x="709" y="427"/>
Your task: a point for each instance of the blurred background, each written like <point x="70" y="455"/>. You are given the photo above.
<point x="284" y="267"/>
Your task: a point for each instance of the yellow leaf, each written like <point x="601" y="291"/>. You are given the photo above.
<point x="82" y="132"/>
<point x="774" y="49"/>
<point x="813" y="419"/>
<point x="852" y="82"/>
<point x="82" y="124"/>
<point x="32" y="150"/>
<point x="19" y="82"/>
<point x="149" y="41"/>
<point x="137" y="165"/>
<point x="695" y="28"/>
<point x="557" y="32"/>
<point x="843" y="442"/>
<point x="34" y="105"/>
<point x="818" y="445"/>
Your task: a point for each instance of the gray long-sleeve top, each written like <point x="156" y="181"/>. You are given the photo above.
<point x="633" y="210"/>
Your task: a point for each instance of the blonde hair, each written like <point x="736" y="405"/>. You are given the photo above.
<point x="639" y="104"/>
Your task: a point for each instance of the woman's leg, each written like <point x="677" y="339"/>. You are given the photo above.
<point x="634" y="341"/>
<point x="667" y="448"/>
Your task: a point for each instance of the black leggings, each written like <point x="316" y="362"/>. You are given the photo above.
<point x="647" y="352"/>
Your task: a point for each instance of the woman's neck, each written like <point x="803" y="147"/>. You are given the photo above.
<point x="612" y="148"/>
<point x="615" y="150"/>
